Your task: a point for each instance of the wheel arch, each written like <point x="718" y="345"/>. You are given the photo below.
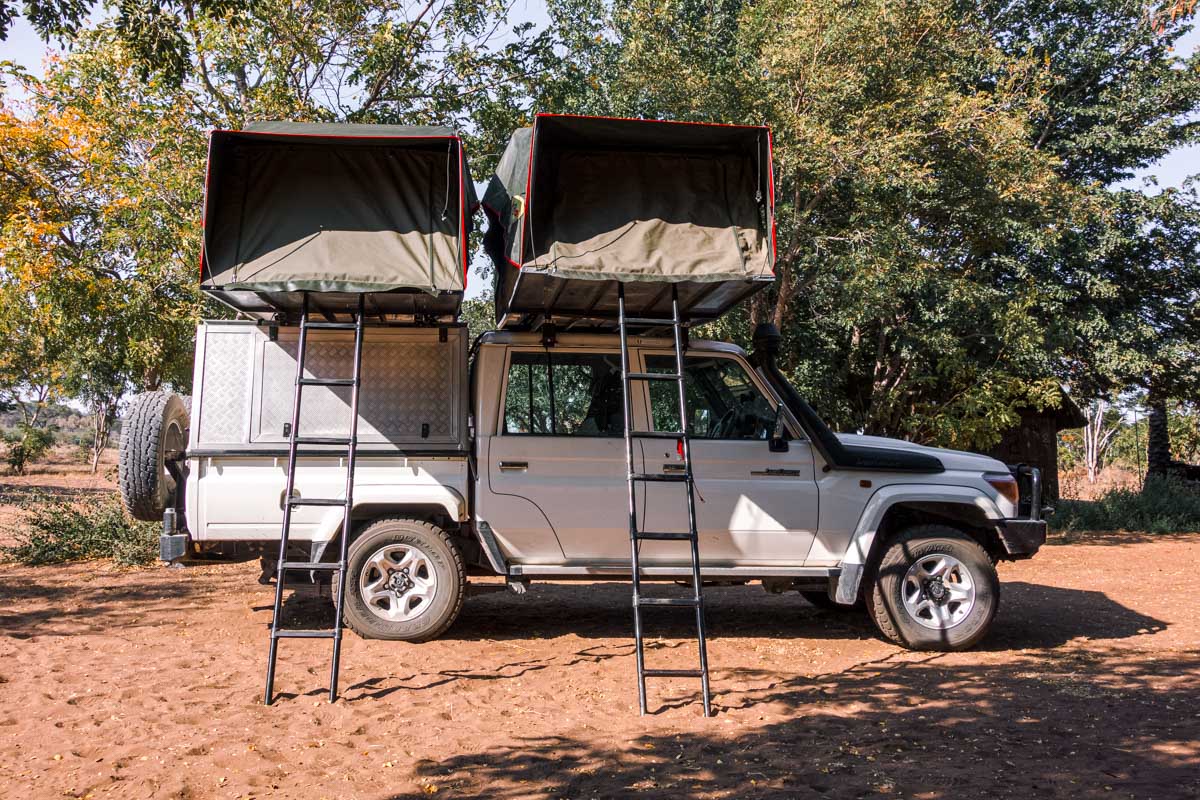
<point x="893" y="509"/>
<point x="438" y="504"/>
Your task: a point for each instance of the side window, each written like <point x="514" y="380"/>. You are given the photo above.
<point x="723" y="403"/>
<point x="564" y="394"/>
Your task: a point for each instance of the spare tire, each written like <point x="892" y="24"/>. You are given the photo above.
<point x="154" y="430"/>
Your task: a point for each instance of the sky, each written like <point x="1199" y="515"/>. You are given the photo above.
<point x="25" y="48"/>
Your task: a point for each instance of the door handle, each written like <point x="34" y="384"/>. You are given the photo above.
<point x="674" y="467"/>
<point x="514" y="466"/>
<point x="776" y="473"/>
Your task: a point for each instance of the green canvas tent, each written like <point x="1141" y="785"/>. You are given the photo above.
<point x="579" y="204"/>
<point x="337" y="210"/>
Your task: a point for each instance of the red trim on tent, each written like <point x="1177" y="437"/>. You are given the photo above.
<point x="462" y="216"/>
<point x="662" y="121"/>
<point x="462" y="220"/>
<point x="528" y="191"/>
<point x="204" y="205"/>
<point x="771" y="192"/>
<point x="333" y="135"/>
<point x="533" y="138"/>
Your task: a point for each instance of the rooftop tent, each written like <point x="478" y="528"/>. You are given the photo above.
<point x="580" y="204"/>
<point x="337" y="210"/>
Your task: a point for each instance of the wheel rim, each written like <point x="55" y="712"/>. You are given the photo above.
<point x="398" y="582"/>
<point x="938" y="591"/>
<point x="174" y="443"/>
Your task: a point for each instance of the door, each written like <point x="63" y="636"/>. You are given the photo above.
<point x="556" y="466"/>
<point x="753" y="506"/>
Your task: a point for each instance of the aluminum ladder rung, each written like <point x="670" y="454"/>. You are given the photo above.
<point x="654" y="376"/>
<point x="655" y="434"/>
<point x="661" y="477"/>
<point x="338" y="440"/>
<point x="298" y="633"/>
<point x="685" y="602"/>
<point x="327" y="382"/>
<point x="323" y="566"/>
<point x="331" y="326"/>
<point x="676" y="673"/>
<point x="685" y="476"/>
<point x="649" y="321"/>
<point x="295" y="439"/>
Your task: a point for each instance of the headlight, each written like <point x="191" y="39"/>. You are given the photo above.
<point x="1006" y="485"/>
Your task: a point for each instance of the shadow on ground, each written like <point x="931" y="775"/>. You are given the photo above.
<point x="1030" y="616"/>
<point x="78" y="599"/>
<point x="1096" y="724"/>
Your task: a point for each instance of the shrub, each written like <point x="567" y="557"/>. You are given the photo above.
<point x="56" y="530"/>
<point x="26" y="444"/>
<point x="1165" y="505"/>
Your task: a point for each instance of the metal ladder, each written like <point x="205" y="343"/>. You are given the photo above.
<point x="685" y="477"/>
<point x="291" y="501"/>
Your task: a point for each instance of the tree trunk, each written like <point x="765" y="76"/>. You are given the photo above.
<point x="1096" y="438"/>
<point x="1158" y="439"/>
<point x="102" y="418"/>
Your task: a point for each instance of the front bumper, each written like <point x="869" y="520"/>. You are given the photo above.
<point x="1022" y="537"/>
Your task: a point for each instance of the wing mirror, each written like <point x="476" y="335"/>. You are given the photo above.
<point x="778" y="441"/>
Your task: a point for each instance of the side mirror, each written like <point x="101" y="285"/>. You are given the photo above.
<point x="778" y="442"/>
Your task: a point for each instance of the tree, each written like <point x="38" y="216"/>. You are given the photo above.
<point x="98" y="204"/>
<point x="1136" y="305"/>
<point x="1103" y="423"/>
<point x="1117" y="99"/>
<point x="936" y="162"/>
<point x="903" y="158"/>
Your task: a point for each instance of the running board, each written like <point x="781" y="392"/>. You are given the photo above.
<point x="622" y="571"/>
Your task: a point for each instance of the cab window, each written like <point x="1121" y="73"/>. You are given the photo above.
<point x="564" y="394"/>
<point x="723" y="403"/>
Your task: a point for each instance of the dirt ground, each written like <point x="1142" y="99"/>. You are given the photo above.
<point x="148" y="683"/>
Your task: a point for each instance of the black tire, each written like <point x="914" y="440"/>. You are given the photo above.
<point x="823" y="601"/>
<point x="155" y="427"/>
<point x="442" y="558"/>
<point x="886" y="605"/>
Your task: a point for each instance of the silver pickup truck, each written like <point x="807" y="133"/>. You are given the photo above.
<point x="515" y="466"/>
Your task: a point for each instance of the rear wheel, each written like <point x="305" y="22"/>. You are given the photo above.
<point x="405" y="581"/>
<point x="936" y="589"/>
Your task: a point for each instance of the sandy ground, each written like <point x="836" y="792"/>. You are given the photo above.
<point x="148" y="683"/>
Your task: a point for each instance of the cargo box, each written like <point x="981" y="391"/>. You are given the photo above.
<point x="413" y="395"/>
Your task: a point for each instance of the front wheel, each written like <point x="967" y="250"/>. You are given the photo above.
<point x="405" y="581"/>
<point x="935" y="589"/>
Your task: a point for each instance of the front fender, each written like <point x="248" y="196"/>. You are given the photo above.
<point x="854" y="561"/>
<point x="398" y="496"/>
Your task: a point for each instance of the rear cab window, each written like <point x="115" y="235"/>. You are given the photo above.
<point x="564" y="394"/>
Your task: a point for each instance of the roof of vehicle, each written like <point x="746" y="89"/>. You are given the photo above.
<point x="606" y="340"/>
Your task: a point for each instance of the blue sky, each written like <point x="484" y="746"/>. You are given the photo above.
<point x="24" y="47"/>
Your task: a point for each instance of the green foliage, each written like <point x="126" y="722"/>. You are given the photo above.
<point x="942" y="173"/>
<point x="56" y="530"/>
<point x="950" y="244"/>
<point x="26" y="444"/>
<point x="480" y="317"/>
<point x="1164" y="505"/>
